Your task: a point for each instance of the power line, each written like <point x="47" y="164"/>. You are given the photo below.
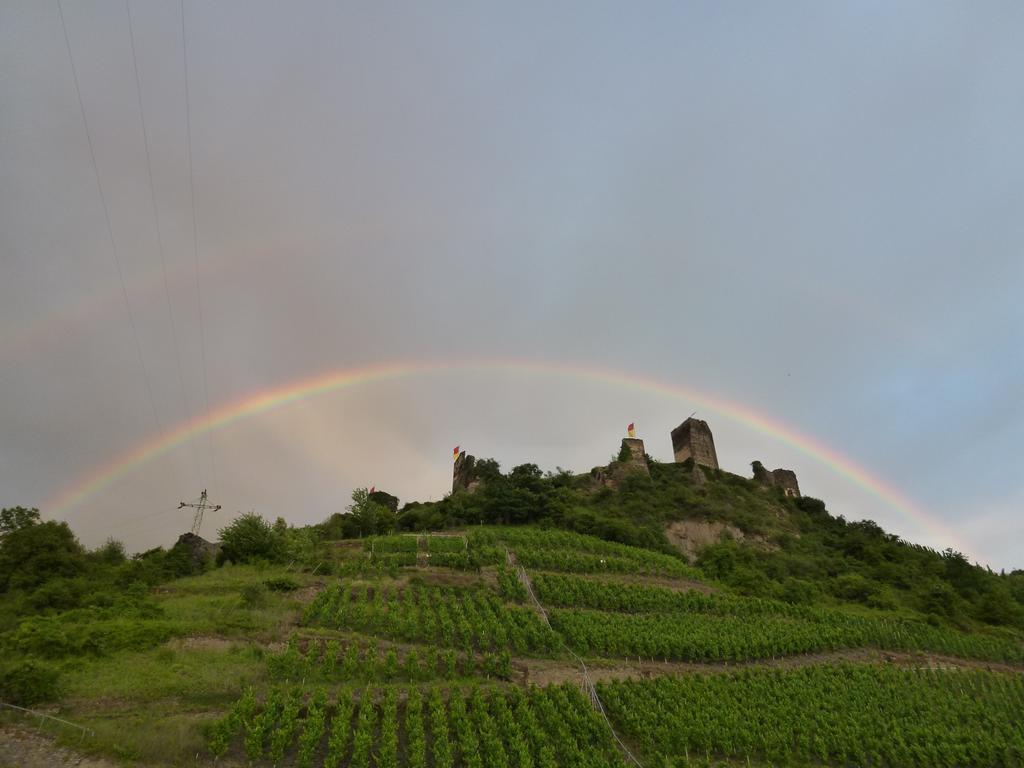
<point x="195" y="240"/>
<point x="159" y="233"/>
<point x="106" y="217"/>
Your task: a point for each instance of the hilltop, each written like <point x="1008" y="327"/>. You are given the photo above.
<point x="680" y="615"/>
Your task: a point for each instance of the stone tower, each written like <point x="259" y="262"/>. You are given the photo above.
<point x="464" y="474"/>
<point x="637" y="456"/>
<point x="693" y="439"/>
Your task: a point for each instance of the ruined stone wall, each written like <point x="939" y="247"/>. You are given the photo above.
<point x="786" y="480"/>
<point x="693" y="439"/>
<point x="777" y="478"/>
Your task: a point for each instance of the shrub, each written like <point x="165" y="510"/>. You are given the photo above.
<point x="282" y="584"/>
<point x="250" y="537"/>
<point x="25" y="683"/>
<point x="254" y="595"/>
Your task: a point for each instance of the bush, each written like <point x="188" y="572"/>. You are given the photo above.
<point x="25" y="683"/>
<point x="250" y="537"/>
<point x="283" y="584"/>
<point x="800" y="592"/>
<point x="57" y="636"/>
<point x="254" y="596"/>
<point x="854" y="587"/>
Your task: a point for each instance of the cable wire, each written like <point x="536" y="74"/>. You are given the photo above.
<point x="110" y="228"/>
<point x="159" y="235"/>
<point x="195" y="241"/>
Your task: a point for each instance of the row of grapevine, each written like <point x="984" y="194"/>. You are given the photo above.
<point x="715" y="638"/>
<point x="395" y="559"/>
<point x="462" y="561"/>
<point x="566" y="551"/>
<point x="704" y="637"/>
<point x="465" y="618"/>
<point x="539" y="728"/>
<point x="558" y="589"/>
<point x="330" y="660"/>
<point x="836" y="715"/>
<point x="446" y="544"/>
<point x="398" y="543"/>
<point x="414" y="542"/>
<point x="760" y="627"/>
<point x="580" y="562"/>
<point x="509" y="585"/>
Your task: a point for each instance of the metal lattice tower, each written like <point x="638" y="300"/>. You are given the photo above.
<point x="199" y="506"/>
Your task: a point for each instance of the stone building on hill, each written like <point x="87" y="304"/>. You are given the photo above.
<point x="633" y="456"/>
<point x="464" y="476"/>
<point x="786" y="480"/>
<point x="777" y="478"/>
<point x="693" y="440"/>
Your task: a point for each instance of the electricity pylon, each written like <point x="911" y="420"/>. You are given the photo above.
<point x="200" y="507"/>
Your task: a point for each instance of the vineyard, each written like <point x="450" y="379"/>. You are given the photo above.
<point x="386" y="728"/>
<point x="655" y="622"/>
<point x="334" y="661"/>
<point x="575" y="553"/>
<point x="398" y="661"/>
<point x="830" y="715"/>
<point x="472" y="619"/>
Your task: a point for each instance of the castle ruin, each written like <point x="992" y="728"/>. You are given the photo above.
<point x="637" y="458"/>
<point x="464" y="477"/>
<point x="693" y="440"/>
<point x="777" y="478"/>
<point x="786" y="480"/>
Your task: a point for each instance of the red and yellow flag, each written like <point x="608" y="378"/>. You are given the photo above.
<point x="631" y="429"/>
<point x="455" y="453"/>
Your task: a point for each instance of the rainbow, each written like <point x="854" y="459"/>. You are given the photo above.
<point x="66" y="500"/>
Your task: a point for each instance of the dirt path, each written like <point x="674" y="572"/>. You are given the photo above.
<point x="553" y="672"/>
<point x="21" y="747"/>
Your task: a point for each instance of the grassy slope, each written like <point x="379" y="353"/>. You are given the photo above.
<point x="150" y="705"/>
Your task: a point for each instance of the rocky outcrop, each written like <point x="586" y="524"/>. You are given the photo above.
<point x="692" y="536"/>
<point x="199" y="549"/>
<point x="464" y="476"/>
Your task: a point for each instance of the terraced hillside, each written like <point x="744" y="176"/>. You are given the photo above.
<point x="513" y="647"/>
<point x="542" y="648"/>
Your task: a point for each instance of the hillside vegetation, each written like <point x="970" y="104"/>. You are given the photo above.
<point x="545" y="620"/>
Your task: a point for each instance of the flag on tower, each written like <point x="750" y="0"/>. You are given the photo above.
<point x="631" y="429"/>
<point x="373" y="488"/>
<point x="455" y="454"/>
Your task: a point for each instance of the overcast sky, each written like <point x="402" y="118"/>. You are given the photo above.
<point x="811" y="209"/>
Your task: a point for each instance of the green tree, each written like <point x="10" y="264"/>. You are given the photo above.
<point x="36" y="552"/>
<point x="369" y="517"/>
<point x="15" y="518"/>
<point x="250" y="537"/>
<point x="111" y="552"/>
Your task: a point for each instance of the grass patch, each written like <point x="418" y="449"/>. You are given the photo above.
<point x="201" y="675"/>
<point x="215" y="604"/>
<point x="164" y="733"/>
